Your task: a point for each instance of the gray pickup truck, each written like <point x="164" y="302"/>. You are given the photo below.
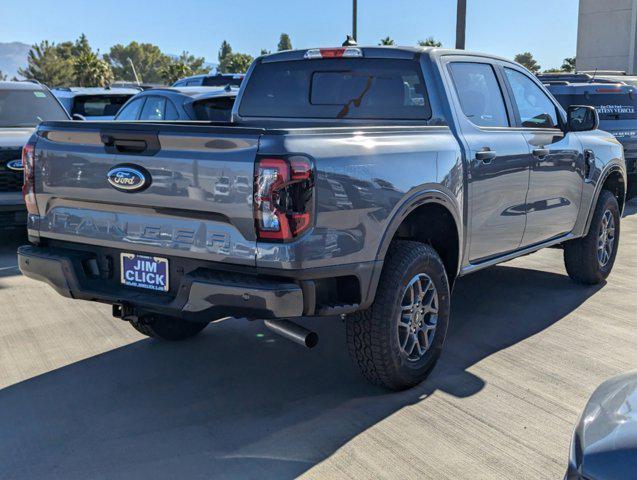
<point x="358" y="182"/>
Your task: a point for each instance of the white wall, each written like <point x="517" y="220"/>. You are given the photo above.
<point x="606" y="35"/>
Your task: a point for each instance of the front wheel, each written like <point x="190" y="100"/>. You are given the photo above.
<point x="398" y="340"/>
<point x="589" y="260"/>
<point x="166" y="328"/>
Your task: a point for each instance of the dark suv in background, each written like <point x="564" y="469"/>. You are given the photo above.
<point x="23" y="105"/>
<point x="211" y="80"/>
<point x="616" y="104"/>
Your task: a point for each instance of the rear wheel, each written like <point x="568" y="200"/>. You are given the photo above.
<point x="589" y="260"/>
<point x="167" y="328"/>
<point x="398" y="340"/>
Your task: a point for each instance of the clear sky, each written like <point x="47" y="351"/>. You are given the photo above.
<point x="546" y="28"/>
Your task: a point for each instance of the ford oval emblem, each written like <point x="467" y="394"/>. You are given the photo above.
<point x="15" y="165"/>
<point x="128" y="178"/>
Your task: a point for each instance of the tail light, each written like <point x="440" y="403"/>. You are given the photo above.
<point x="28" y="188"/>
<point x="283" y="197"/>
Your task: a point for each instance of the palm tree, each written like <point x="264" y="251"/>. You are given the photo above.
<point x="429" y="42"/>
<point x="91" y="71"/>
<point x="387" y="41"/>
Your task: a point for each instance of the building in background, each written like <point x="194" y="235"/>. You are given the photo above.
<point x="607" y="35"/>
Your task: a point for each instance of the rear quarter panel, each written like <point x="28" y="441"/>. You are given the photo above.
<point x="364" y="178"/>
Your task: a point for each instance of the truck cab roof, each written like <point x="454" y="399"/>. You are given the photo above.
<point x="376" y="51"/>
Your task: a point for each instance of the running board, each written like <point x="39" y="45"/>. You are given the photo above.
<point x="474" y="267"/>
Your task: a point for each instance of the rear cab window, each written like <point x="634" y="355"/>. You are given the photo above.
<point x="361" y="88"/>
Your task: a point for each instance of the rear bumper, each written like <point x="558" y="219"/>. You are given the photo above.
<point x="199" y="294"/>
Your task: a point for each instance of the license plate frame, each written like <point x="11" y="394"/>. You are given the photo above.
<point x="152" y="273"/>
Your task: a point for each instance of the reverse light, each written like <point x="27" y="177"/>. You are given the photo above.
<point x="341" y="52"/>
<point x="283" y="196"/>
<point x="28" y="187"/>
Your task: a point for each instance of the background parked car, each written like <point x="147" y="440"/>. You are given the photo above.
<point x="185" y="103"/>
<point x="616" y="104"/>
<point x="604" y="444"/>
<point x="23" y="105"/>
<point x="93" y="103"/>
<point x="217" y="80"/>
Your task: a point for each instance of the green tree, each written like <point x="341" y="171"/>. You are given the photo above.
<point x="2" y="76"/>
<point x="387" y="41"/>
<point x="569" y="64"/>
<point x="553" y="70"/>
<point x="224" y="53"/>
<point x="147" y="58"/>
<point x="284" y="43"/>
<point x="172" y="72"/>
<point x="526" y="60"/>
<point x="238" y="62"/>
<point x="429" y="42"/>
<point x="91" y="71"/>
<point x="46" y="65"/>
<point x="265" y="52"/>
<point x="184" y="66"/>
<point x="195" y="64"/>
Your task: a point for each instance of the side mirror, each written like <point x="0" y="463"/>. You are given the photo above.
<point x="582" y="118"/>
<point x="77" y="116"/>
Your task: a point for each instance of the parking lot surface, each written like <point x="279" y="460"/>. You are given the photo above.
<point x="82" y="395"/>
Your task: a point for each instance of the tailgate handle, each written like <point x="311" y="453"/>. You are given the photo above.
<point x="135" y="143"/>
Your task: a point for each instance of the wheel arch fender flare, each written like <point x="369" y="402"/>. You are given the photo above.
<point x="401" y="212"/>
<point x="611" y="169"/>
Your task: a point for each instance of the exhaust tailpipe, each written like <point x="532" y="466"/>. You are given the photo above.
<point x="293" y="331"/>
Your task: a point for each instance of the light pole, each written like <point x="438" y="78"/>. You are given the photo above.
<point x="134" y="71"/>
<point x="354" y="20"/>
<point x="461" y="24"/>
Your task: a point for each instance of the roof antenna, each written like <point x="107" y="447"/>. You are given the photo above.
<point x="349" y="42"/>
<point x="594" y="74"/>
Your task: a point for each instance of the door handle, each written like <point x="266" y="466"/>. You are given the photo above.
<point x="486" y="156"/>
<point x="541" y="152"/>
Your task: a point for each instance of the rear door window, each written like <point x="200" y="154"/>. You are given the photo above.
<point x="479" y="93"/>
<point x="371" y="89"/>
<point x="171" y="111"/>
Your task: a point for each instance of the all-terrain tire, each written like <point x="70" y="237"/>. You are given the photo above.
<point x="581" y="256"/>
<point x="373" y="334"/>
<point x="167" y="328"/>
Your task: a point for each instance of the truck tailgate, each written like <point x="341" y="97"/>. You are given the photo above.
<point x="196" y="200"/>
